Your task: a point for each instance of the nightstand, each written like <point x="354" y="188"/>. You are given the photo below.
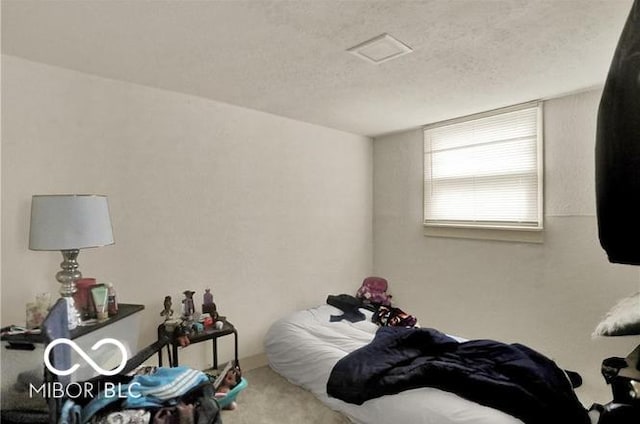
<point x="209" y="333"/>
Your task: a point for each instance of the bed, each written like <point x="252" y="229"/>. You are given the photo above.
<point x="304" y="347"/>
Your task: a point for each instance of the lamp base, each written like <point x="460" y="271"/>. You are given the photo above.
<point x="73" y="317"/>
<point x="69" y="274"/>
<point x="67" y="277"/>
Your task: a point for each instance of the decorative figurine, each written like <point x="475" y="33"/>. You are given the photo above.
<point x="187" y="305"/>
<point x="207" y="297"/>
<point x="208" y="307"/>
<point x="167" y="312"/>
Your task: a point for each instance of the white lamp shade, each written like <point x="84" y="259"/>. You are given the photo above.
<point x="66" y="222"/>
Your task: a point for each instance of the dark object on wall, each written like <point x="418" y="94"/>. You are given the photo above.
<point x="618" y="149"/>
<point x="618" y="203"/>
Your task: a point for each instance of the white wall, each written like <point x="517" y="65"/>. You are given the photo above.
<point x="549" y="296"/>
<point x="272" y="214"/>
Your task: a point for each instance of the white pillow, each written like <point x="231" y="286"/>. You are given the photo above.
<point x="623" y="319"/>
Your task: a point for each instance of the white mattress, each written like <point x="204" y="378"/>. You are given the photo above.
<point x="305" y="346"/>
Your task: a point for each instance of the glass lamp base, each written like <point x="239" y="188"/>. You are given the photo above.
<point x="73" y="317"/>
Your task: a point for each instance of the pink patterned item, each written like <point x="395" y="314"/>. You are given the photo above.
<point x="374" y="290"/>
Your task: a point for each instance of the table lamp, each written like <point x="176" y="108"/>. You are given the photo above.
<point x="68" y="223"/>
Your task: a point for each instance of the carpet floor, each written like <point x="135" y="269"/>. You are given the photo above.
<point x="271" y="399"/>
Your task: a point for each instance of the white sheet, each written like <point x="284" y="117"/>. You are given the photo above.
<point x="305" y="346"/>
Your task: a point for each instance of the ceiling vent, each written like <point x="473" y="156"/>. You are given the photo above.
<point x="380" y="49"/>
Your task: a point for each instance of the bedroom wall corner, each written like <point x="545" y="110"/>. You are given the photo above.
<point x="549" y="296"/>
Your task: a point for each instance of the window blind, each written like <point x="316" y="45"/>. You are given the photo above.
<point x="485" y="171"/>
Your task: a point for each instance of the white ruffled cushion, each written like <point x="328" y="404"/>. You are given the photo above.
<point x="623" y="319"/>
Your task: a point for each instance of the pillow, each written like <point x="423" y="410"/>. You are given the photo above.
<point x="623" y="319"/>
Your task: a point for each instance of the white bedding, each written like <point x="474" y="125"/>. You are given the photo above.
<point x="305" y="346"/>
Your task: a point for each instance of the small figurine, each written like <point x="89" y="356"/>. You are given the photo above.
<point x="167" y="312"/>
<point x="187" y="305"/>
<point x="208" y="307"/>
<point x="207" y="297"/>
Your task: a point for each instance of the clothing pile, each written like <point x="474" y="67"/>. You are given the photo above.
<point x="371" y="295"/>
<point x="154" y="395"/>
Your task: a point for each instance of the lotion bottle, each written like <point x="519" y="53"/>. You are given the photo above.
<point x="112" y="302"/>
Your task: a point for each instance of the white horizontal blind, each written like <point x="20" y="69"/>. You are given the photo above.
<point x="485" y="171"/>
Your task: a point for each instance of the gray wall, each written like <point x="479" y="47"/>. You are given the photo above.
<point x="549" y="296"/>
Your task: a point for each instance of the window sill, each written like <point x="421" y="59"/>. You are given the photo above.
<point x="501" y="234"/>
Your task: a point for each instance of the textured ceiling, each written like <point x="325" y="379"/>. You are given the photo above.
<point x="289" y="57"/>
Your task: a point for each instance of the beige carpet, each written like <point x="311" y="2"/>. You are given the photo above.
<point x="271" y="399"/>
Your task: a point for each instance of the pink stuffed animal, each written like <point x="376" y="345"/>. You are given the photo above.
<point x="374" y="290"/>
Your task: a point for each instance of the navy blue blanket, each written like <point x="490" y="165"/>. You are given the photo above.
<point x="508" y="377"/>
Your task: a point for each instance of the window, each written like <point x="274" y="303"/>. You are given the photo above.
<point x="485" y="171"/>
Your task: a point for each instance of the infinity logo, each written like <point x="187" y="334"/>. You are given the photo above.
<point x="87" y="358"/>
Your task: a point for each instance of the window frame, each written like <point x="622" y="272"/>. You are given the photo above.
<point x="487" y="229"/>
